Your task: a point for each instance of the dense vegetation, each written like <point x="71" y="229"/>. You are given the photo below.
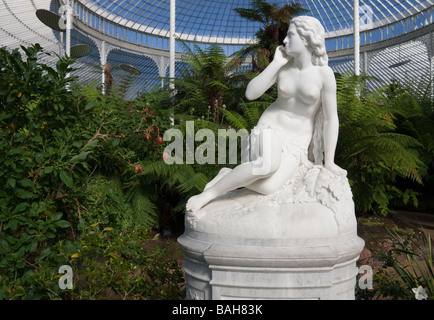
<point x="80" y="187"/>
<point x="83" y="181"/>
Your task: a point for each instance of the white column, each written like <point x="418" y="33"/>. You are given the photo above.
<point x="431" y="66"/>
<point x="103" y="60"/>
<point x="172" y="44"/>
<point x="68" y="32"/>
<point x="356" y="38"/>
<point x="104" y="49"/>
<point x="366" y="63"/>
<point x="162" y="63"/>
<point x="172" y="54"/>
<point x="61" y="47"/>
<point x="68" y="28"/>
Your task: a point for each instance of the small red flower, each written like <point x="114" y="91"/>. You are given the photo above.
<point x="159" y="140"/>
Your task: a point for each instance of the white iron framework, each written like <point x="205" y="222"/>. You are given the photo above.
<point x="395" y="36"/>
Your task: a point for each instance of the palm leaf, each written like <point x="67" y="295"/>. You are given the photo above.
<point x="250" y="14"/>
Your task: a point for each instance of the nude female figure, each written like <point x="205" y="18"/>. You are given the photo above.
<point x="306" y="89"/>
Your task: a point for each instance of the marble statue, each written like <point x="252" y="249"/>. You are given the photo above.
<point x="301" y="124"/>
<point x="282" y="224"/>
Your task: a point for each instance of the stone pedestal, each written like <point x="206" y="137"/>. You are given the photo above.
<point x="249" y="246"/>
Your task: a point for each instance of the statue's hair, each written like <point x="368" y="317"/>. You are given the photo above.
<point x="316" y="147"/>
<point x="311" y="30"/>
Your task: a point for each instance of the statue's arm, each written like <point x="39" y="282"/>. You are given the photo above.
<point x="268" y="77"/>
<point x="331" y="121"/>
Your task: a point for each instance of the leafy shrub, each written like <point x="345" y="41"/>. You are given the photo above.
<point x="69" y="158"/>
<point x="127" y="265"/>
<point x="35" y="163"/>
<point x="416" y="266"/>
<point x="372" y="149"/>
<point x="408" y="265"/>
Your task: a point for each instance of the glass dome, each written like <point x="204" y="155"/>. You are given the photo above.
<point x="383" y="24"/>
<point x="216" y="21"/>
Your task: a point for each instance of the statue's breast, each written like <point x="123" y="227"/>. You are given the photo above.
<point x="302" y="86"/>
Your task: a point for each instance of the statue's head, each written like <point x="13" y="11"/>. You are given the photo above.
<point x="312" y="32"/>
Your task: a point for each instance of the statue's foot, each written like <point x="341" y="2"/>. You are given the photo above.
<point x="197" y="202"/>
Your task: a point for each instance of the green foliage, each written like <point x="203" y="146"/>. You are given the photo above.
<point x="69" y="158"/>
<point x="414" y="113"/>
<point x="251" y="112"/>
<point x="411" y="261"/>
<point x="385" y="286"/>
<point x="275" y="22"/>
<point x="34" y="163"/>
<point x="417" y="267"/>
<point x="211" y="80"/>
<point x="127" y="265"/>
<point x="372" y="149"/>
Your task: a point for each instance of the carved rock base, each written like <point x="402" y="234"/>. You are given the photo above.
<point x="270" y="250"/>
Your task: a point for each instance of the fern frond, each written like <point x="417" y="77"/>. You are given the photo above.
<point x="235" y="119"/>
<point x="196" y="182"/>
<point x="144" y="211"/>
<point x="253" y="111"/>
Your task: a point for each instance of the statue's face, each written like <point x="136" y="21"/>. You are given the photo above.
<point x="294" y="44"/>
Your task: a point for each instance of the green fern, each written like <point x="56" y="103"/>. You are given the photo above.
<point x="195" y="182"/>
<point x="209" y="79"/>
<point x="145" y="214"/>
<point x="235" y="119"/>
<point x="372" y="147"/>
<point x="251" y="112"/>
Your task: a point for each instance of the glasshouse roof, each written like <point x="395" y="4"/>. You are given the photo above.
<point x="217" y="21"/>
<point x="396" y="36"/>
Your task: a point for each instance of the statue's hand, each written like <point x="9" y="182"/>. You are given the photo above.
<point x="280" y="56"/>
<point x="336" y="169"/>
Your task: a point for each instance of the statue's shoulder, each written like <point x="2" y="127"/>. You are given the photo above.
<point x="326" y="71"/>
<point x="327" y="75"/>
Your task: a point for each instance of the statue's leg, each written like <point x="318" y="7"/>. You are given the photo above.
<point x="221" y="174"/>
<point x="242" y="175"/>
<point x="288" y="167"/>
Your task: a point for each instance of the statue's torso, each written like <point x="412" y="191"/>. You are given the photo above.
<point x="299" y="96"/>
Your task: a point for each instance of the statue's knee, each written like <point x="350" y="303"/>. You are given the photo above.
<point x="265" y="167"/>
<point x="224" y="170"/>
<point x="268" y="188"/>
